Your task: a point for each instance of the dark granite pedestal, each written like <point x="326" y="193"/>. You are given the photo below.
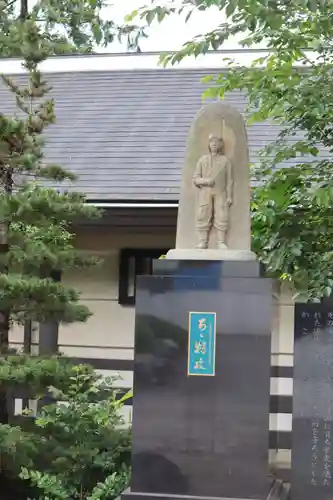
<point x="202" y="436"/>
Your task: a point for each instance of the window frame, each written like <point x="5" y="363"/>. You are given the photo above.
<point x="139" y="255"/>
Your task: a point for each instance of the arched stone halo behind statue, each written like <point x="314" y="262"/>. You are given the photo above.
<point x="214" y="207"/>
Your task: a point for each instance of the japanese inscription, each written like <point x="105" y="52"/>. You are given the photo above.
<point x="327" y="463"/>
<point x="312" y="318"/>
<point x="314" y="449"/>
<point x="201" y="343"/>
<point x="312" y="465"/>
<point x="321" y="452"/>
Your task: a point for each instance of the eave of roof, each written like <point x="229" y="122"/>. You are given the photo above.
<point x="137" y="61"/>
<point x="132" y="204"/>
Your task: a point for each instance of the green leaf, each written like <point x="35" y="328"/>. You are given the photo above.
<point x="188" y="15"/>
<point x="230" y="8"/>
<point x="312" y="5"/>
<point x="161" y="13"/>
<point x="210" y="93"/>
<point x="97" y="31"/>
<point x="215" y="43"/>
<point x="150" y="16"/>
<point x="126" y="397"/>
<point x="207" y="79"/>
<point x="130" y="17"/>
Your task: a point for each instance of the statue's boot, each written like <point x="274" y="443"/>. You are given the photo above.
<point x="203" y="240"/>
<point x="221" y="237"/>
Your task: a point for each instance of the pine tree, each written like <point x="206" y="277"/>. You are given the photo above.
<point x="35" y="219"/>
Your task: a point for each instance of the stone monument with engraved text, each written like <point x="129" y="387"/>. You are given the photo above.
<point x="203" y="336"/>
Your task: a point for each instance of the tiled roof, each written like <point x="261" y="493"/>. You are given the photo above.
<point x="124" y="132"/>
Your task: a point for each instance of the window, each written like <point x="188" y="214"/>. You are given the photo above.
<point x="134" y="262"/>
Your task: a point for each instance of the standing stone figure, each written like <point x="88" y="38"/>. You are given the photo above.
<point x="214" y="220"/>
<point x="213" y="179"/>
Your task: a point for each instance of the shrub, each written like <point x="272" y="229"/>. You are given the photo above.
<point x="79" y="447"/>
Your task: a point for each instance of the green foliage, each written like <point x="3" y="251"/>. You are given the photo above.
<point x="38" y="373"/>
<point x="74" y="26"/>
<point x="79" y="448"/>
<point x="75" y="449"/>
<point x="292" y="86"/>
<point x="35" y="219"/>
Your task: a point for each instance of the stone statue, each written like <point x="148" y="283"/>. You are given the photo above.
<point x="214" y="220"/>
<point x="213" y="179"/>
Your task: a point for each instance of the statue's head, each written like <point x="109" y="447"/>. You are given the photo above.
<point x="215" y="145"/>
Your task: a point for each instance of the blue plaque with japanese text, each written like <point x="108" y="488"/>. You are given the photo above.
<point x="201" y="343"/>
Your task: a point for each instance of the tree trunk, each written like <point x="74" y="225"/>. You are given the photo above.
<point x="24" y="10"/>
<point x="48" y="332"/>
<point x="4" y="315"/>
<point x="4" y="329"/>
<point x="7" y="188"/>
<point x="48" y="338"/>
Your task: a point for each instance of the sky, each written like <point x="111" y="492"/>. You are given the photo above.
<point x="170" y="34"/>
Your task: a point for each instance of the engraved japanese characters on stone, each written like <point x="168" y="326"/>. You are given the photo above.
<point x="213" y="179"/>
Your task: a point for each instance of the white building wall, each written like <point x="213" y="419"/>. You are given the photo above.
<point x="109" y="332"/>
